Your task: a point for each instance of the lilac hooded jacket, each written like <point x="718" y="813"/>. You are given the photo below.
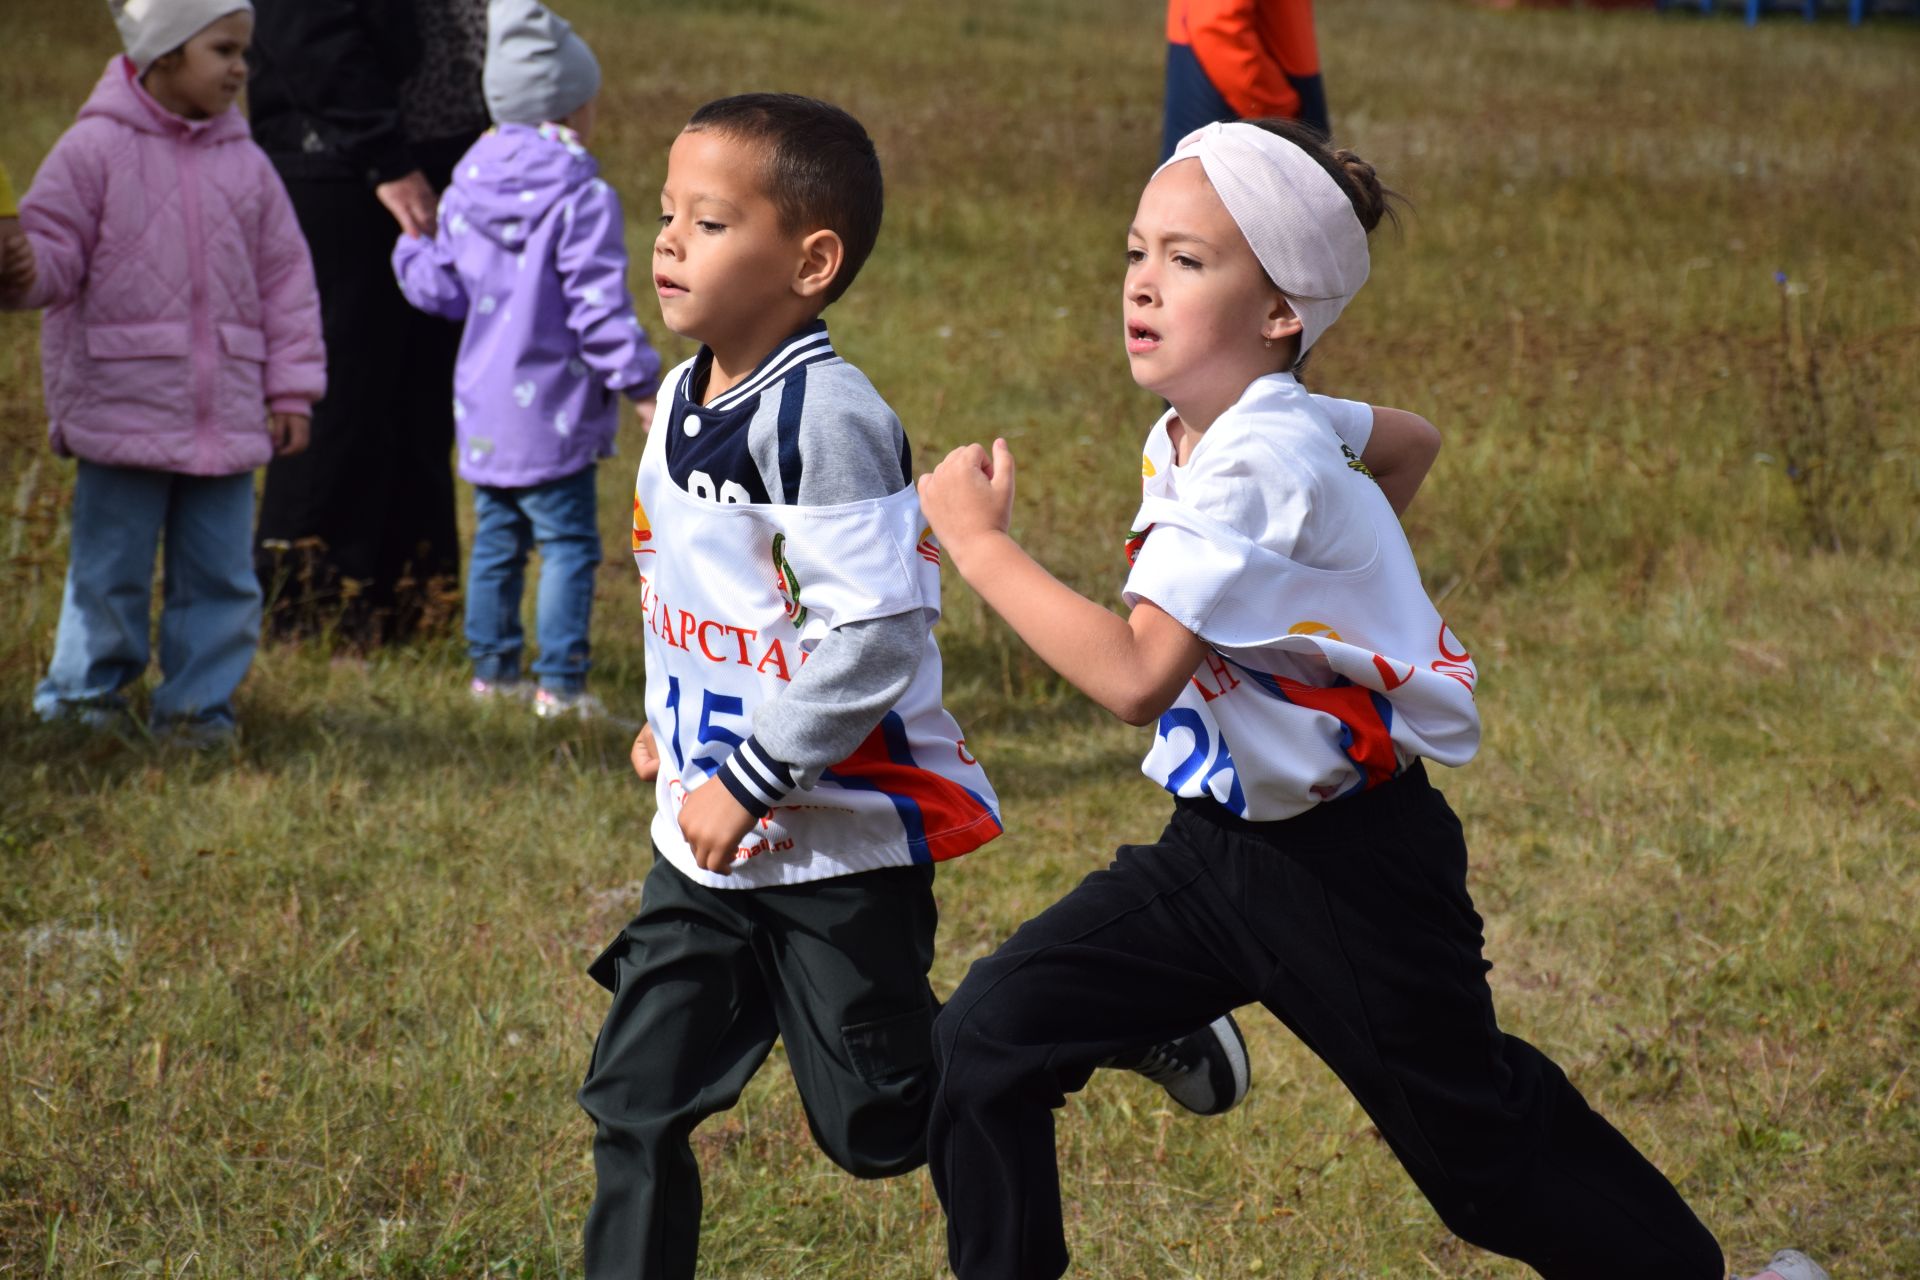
<point x="179" y="293"/>
<point x="531" y="253"/>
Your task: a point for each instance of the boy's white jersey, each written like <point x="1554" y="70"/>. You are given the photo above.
<point x="1328" y="668"/>
<point x="736" y="595"/>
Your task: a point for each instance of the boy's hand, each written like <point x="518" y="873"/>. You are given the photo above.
<point x="290" y="432"/>
<point x="643" y="410"/>
<point x="969" y="494"/>
<point x="714" y="824"/>
<point x="645" y="757"/>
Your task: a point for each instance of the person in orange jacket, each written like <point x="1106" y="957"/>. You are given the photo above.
<point x="1240" y="60"/>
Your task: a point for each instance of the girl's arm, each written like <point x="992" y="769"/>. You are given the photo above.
<point x="61" y="216"/>
<point x="1133" y="666"/>
<point x="296" y="373"/>
<point x="592" y="256"/>
<point x="1399" y="453"/>
<point x="424" y="267"/>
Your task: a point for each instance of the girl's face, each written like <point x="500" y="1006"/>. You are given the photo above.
<point x="202" y="78"/>
<point x="1202" y="319"/>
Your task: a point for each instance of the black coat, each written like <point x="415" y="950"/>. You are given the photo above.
<point x="324" y="86"/>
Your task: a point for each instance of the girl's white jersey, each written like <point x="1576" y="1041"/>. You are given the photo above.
<point x="736" y="595"/>
<point x="1328" y="668"/>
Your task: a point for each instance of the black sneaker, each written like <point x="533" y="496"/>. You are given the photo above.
<point x="1204" y="1071"/>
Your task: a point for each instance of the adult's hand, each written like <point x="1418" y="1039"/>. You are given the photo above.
<point x="412" y="203"/>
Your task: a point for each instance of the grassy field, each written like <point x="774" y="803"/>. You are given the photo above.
<point x="317" y="1008"/>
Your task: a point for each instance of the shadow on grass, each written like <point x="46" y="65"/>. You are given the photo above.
<point x="489" y="746"/>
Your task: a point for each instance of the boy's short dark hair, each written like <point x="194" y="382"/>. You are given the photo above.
<point x="821" y="170"/>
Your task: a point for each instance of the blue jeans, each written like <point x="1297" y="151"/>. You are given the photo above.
<point x="561" y="518"/>
<point x="210" y="603"/>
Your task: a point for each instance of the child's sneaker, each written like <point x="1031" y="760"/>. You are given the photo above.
<point x="487" y="690"/>
<point x="550" y="704"/>
<point x="211" y="734"/>
<point x="1791" y="1264"/>
<point x="1204" y="1071"/>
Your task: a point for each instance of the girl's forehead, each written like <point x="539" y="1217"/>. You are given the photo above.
<point x="1180" y="194"/>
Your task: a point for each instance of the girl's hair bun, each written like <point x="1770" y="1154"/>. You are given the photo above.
<point x="1363" y="188"/>
<point x="1355" y="177"/>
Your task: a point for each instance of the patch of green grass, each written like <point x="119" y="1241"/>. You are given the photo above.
<point x="317" y="1006"/>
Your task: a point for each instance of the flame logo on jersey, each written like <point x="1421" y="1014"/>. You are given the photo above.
<point x="642" y="528"/>
<point x="1454" y="660"/>
<point x="1311" y="628"/>
<point x="929" y="548"/>
<point x="1136" y="539"/>
<point x="787" y="582"/>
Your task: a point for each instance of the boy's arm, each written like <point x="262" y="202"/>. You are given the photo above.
<point x="592" y="256"/>
<point x="296" y="372"/>
<point x="856" y="673"/>
<point x="423" y="265"/>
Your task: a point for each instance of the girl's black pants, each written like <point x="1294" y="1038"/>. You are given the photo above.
<point x="1353" y="925"/>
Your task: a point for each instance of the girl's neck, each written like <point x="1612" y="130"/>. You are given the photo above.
<point x="1189" y="423"/>
<point x="160" y="89"/>
<point x="1192" y="415"/>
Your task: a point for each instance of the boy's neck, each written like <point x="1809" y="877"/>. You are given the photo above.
<point x="736" y="357"/>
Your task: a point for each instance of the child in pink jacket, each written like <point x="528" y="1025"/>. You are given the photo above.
<point x="181" y="349"/>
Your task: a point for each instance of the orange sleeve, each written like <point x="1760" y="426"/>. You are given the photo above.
<point x="1229" y="39"/>
<point x="1286" y="28"/>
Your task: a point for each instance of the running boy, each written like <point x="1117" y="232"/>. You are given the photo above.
<point x="1282" y="642"/>
<point x="531" y="255"/>
<point x="807" y="777"/>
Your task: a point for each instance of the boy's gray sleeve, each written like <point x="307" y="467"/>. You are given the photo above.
<point x="850" y="449"/>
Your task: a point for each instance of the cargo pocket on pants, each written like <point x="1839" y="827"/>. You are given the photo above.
<point x="891" y="1048"/>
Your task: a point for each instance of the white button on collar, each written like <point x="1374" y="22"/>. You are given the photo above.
<point x="691" y="425"/>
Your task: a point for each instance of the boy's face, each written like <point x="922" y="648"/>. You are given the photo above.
<point x="202" y="78"/>
<point x="723" y="265"/>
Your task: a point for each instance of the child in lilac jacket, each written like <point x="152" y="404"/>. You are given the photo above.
<point x="181" y="348"/>
<point x="531" y="255"/>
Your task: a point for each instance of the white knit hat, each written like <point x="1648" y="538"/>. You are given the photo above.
<point x="1299" y="222"/>
<point x="150" y="28"/>
<point x="537" y="68"/>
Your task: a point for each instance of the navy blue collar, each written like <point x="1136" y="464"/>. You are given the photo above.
<point x="805" y="346"/>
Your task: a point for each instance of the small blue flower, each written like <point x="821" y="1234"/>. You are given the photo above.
<point x="1779" y="277"/>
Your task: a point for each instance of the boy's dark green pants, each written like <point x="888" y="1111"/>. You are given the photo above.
<point x="702" y="981"/>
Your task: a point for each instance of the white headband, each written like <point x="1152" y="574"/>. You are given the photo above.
<point x="1299" y="222"/>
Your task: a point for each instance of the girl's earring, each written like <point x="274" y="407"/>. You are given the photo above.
<point x="1269" y="342"/>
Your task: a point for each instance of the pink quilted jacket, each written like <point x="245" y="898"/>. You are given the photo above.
<point x="179" y="293"/>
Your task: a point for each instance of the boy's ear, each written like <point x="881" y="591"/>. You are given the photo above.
<point x="821" y="254"/>
<point x="1281" y="322"/>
